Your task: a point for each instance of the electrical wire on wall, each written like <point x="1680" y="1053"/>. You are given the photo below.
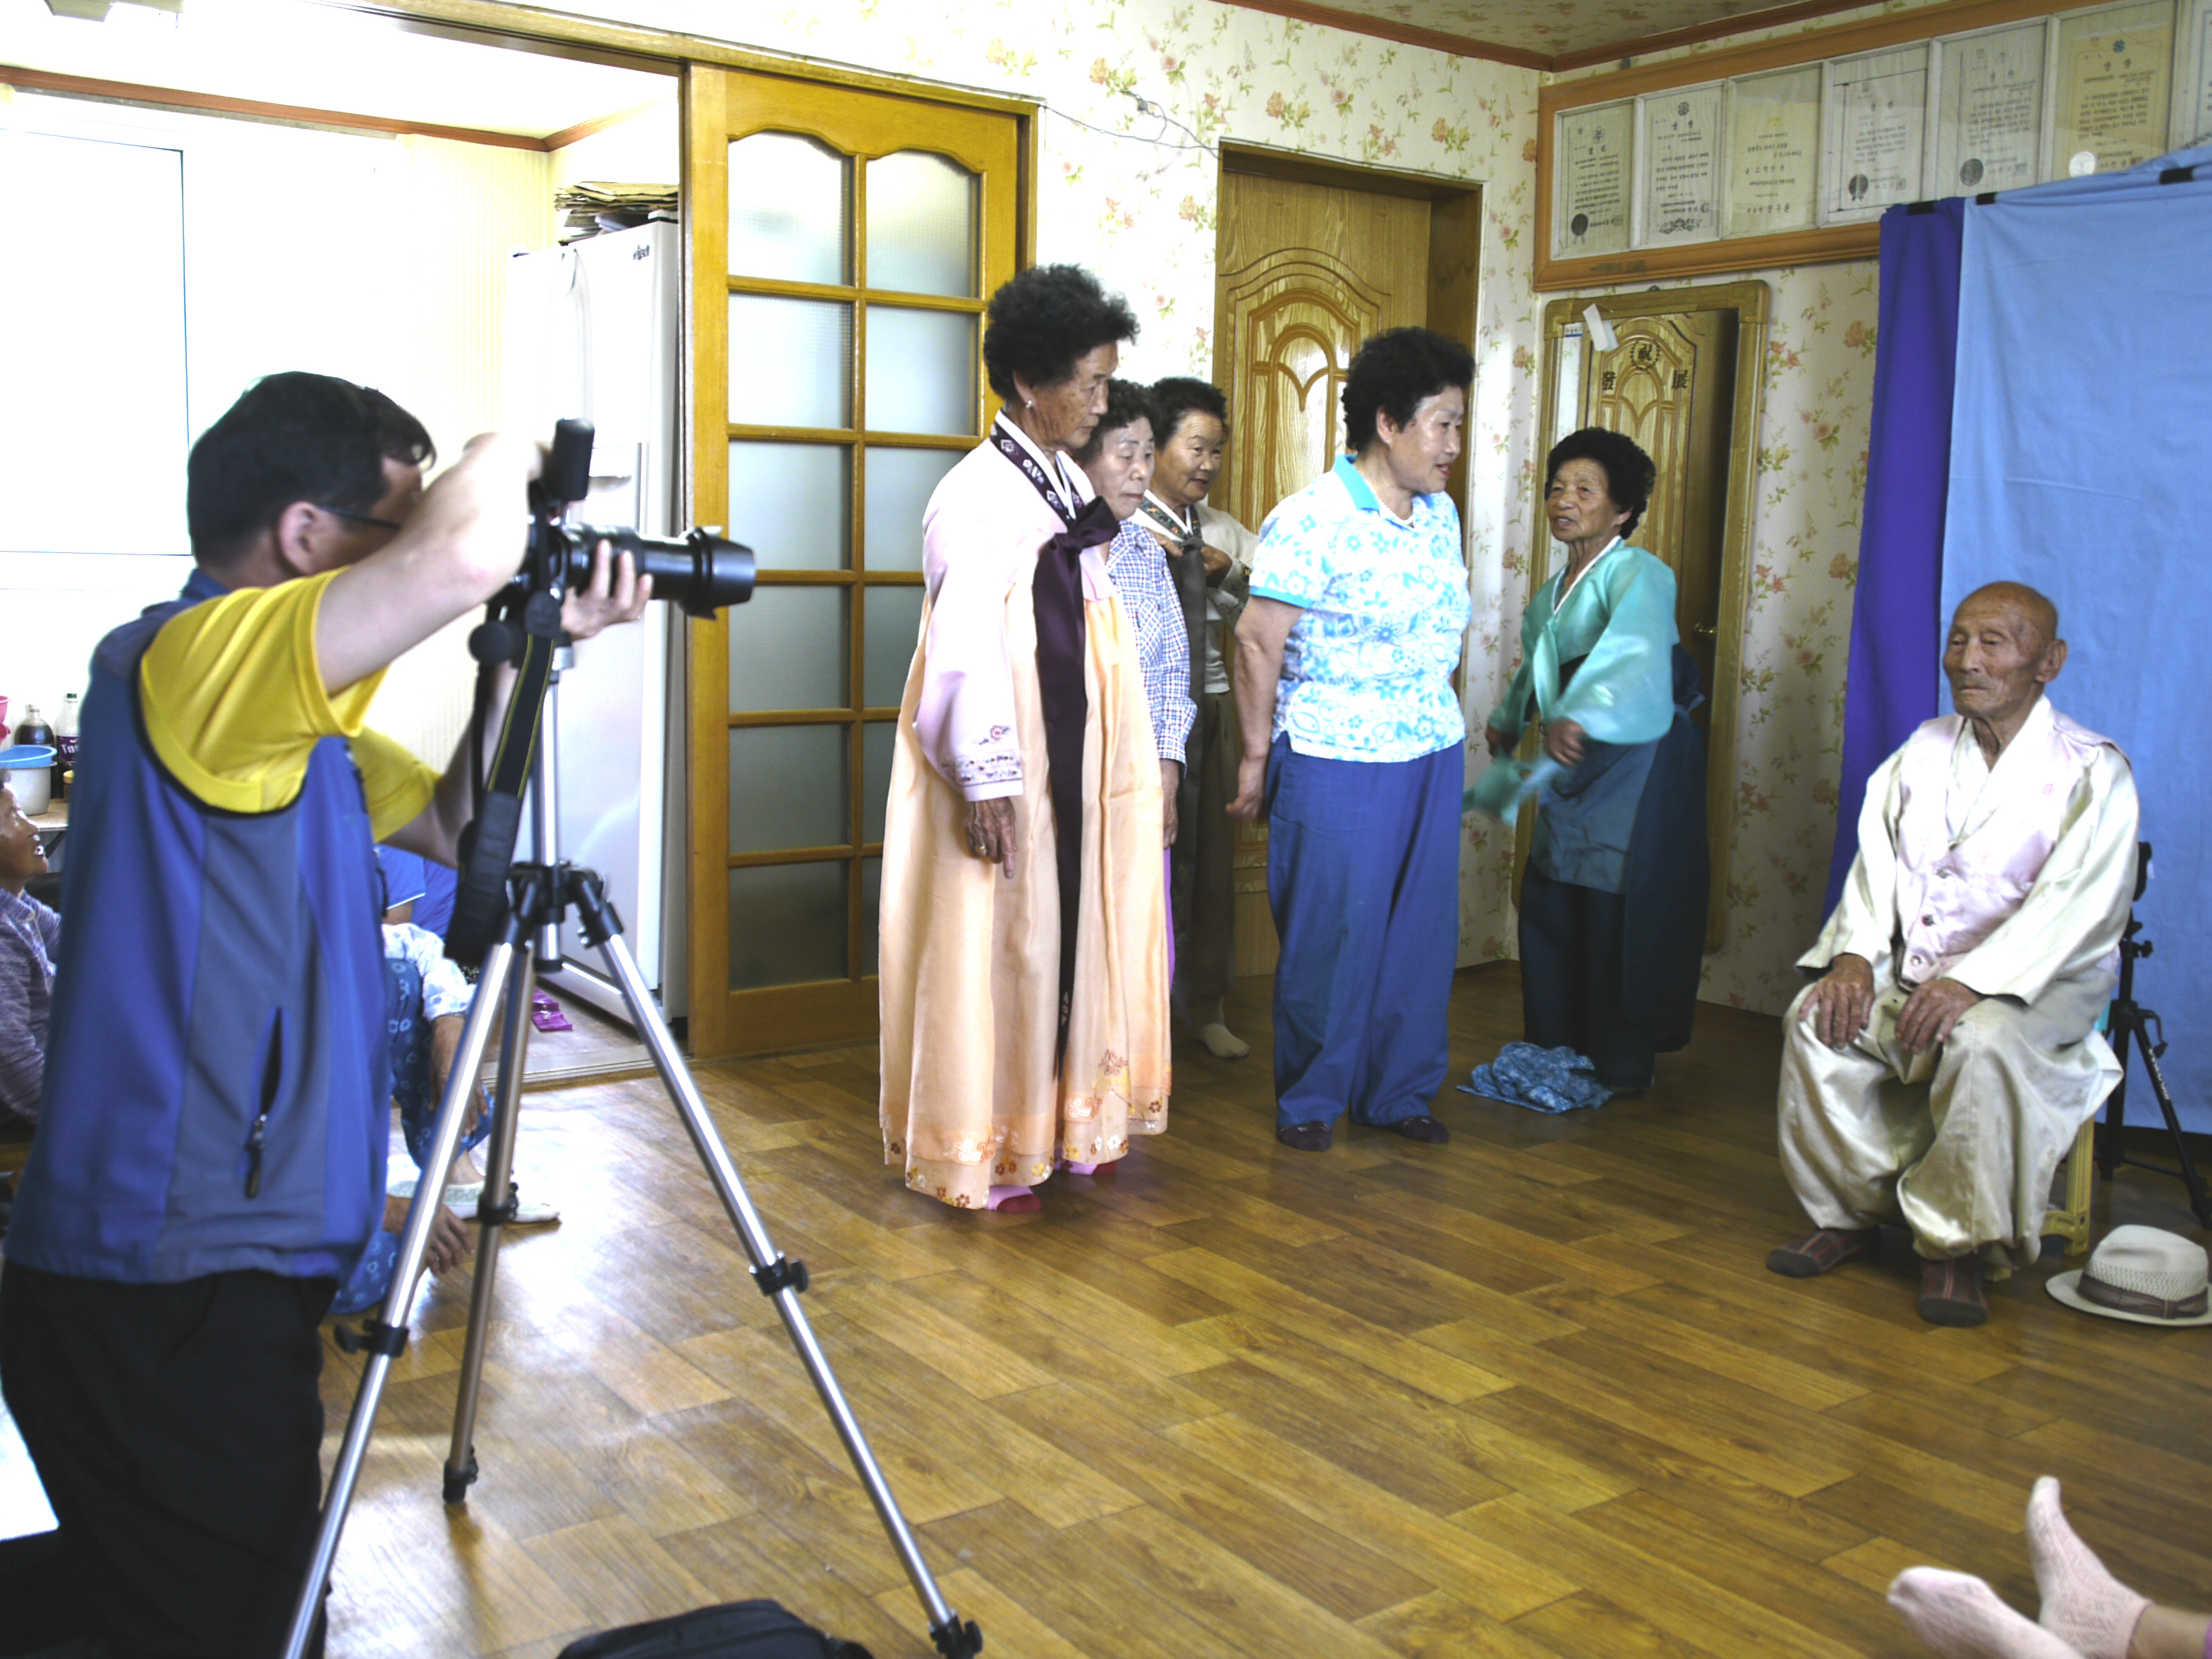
<point x="1160" y="140"/>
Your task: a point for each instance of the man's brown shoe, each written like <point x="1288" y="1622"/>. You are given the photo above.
<point x="1951" y="1292"/>
<point x="1821" y="1252"/>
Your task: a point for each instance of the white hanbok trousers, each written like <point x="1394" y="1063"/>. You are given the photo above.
<point x="1962" y="1141"/>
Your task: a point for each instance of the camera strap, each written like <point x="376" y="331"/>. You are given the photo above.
<point x="487" y="844"/>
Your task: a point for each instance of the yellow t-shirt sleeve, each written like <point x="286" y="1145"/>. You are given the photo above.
<point x="233" y="701"/>
<point x="397" y="784"/>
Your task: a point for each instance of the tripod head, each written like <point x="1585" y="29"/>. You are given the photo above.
<point x="701" y="573"/>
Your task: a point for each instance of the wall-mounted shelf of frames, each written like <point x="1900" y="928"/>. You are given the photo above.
<point x="1787" y="152"/>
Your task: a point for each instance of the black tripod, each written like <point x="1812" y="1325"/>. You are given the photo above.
<point x="2131" y="1021"/>
<point x="513" y="913"/>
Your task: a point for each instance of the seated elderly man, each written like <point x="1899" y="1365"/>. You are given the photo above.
<point x="1944" y="1061"/>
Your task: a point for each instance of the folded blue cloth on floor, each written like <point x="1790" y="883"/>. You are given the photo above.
<point x="1542" y="1079"/>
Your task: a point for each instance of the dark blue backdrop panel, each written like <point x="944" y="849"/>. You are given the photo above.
<point x="1895" y="681"/>
<point x="2082" y="442"/>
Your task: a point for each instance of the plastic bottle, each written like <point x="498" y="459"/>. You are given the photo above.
<point x="33" y="729"/>
<point x="65" y="744"/>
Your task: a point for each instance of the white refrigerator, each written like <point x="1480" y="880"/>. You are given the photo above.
<point x="593" y="331"/>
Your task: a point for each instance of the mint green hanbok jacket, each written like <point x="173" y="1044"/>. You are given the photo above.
<point x="1604" y="660"/>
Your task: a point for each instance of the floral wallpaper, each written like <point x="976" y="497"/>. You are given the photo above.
<point x="1812" y="462"/>
<point x="1138" y="92"/>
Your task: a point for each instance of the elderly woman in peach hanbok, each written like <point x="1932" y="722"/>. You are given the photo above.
<point x="1024" y="996"/>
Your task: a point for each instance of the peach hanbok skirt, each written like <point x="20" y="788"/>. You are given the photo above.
<point x="970" y="960"/>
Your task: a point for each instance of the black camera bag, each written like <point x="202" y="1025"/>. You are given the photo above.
<point x="735" y="1630"/>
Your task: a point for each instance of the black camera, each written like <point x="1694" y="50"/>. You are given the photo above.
<point x="701" y="573"/>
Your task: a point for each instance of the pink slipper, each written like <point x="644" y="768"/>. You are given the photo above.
<point x="1013" y="1200"/>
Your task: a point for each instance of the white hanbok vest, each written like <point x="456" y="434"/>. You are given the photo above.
<point x="1955" y="887"/>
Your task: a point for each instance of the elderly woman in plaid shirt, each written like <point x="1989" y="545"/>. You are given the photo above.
<point x="1118" y="461"/>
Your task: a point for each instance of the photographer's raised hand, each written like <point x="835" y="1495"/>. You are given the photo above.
<point x="617" y="594"/>
<point x="457" y="545"/>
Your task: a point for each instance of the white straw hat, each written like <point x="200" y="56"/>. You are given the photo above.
<point x="2140" y="1273"/>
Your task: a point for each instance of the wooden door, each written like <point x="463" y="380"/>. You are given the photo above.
<point x="1670" y="385"/>
<point x="840" y="246"/>
<point x="1306" y="272"/>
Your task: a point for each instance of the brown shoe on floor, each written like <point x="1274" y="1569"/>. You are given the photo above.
<point x="1821" y="1252"/>
<point x="1423" y="1128"/>
<point x="1304" y="1137"/>
<point x="1951" y="1292"/>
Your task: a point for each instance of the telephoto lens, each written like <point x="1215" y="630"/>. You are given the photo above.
<point x="702" y="574"/>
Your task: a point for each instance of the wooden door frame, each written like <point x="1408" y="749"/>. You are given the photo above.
<point x="811" y="1014"/>
<point x="1455" y="255"/>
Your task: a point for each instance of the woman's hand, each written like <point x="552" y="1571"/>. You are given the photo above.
<point x="1563" y="742"/>
<point x="1251" y="780"/>
<point x="1171" y="782"/>
<point x="1498" y="742"/>
<point x="990" y="832"/>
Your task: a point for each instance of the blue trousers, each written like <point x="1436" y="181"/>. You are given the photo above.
<point x="1363" y="876"/>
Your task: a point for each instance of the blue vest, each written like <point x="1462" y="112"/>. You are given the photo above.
<point x="217" y="1087"/>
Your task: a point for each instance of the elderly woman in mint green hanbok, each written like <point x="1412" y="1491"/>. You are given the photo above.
<point x="1613" y="901"/>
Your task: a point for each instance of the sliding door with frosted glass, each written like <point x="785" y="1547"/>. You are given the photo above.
<point x="844" y="245"/>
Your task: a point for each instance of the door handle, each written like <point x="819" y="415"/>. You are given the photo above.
<point x="1705" y="631"/>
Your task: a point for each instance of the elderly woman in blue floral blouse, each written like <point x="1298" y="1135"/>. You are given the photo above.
<point x="1354" y="748"/>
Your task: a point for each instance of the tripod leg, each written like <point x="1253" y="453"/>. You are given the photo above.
<point x="386" y="1336"/>
<point x="492" y="1211"/>
<point x="951" y="1636"/>
<point x="2110" y="1152"/>
<point x="2200" y="1201"/>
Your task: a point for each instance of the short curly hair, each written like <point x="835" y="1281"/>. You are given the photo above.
<point x="1127" y="403"/>
<point x="1043" y="319"/>
<point x="1180" y="395"/>
<point x="1629" y="474"/>
<point x="1393" y="371"/>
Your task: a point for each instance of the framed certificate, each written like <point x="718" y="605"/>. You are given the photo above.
<point x="1875" y="115"/>
<point x="2115" y="88"/>
<point x="1679" y="166"/>
<point x="1773" y="152"/>
<point x="1989" y="102"/>
<point x="2192" y="86"/>
<point x="1590" y="194"/>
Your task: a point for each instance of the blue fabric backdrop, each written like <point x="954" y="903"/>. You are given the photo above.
<point x="2081" y="463"/>
<point x="1895" y="681"/>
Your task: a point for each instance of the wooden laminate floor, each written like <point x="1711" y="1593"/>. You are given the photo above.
<point x="1530" y="1394"/>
